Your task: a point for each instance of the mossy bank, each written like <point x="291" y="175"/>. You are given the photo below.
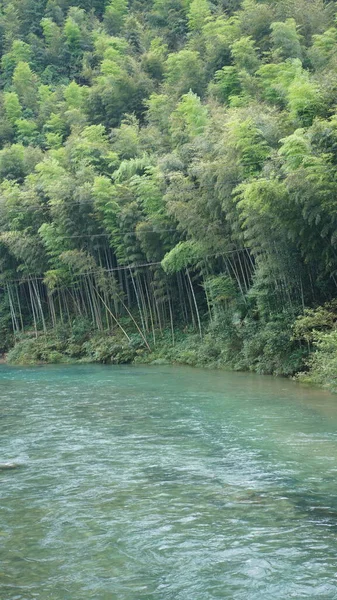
<point x="305" y="348"/>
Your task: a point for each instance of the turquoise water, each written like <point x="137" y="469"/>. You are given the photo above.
<point x="165" y="483"/>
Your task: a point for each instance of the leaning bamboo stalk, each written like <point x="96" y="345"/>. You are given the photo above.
<point x="151" y="315"/>
<point x="138" y="301"/>
<point x="19" y="305"/>
<point x="32" y="306"/>
<point x="171" y="317"/>
<point x="195" y="302"/>
<point x="39" y="304"/>
<point x="134" y="321"/>
<point x="113" y="316"/>
<point x="12" y="312"/>
<point x="188" y="292"/>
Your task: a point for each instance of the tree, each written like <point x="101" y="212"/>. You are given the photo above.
<point x="184" y="72"/>
<point x="25" y="84"/>
<point x="170" y="16"/>
<point x="218" y="35"/>
<point x="226" y="84"/>
<point x="285" y="40"/>
<point x="114" y="16"/>
<point x="189" y="119"/>
<point x="245" y="54"/>
<point x="198" y="12"/>
<point x="304" y="99"/>
<point x="12" y="107"/>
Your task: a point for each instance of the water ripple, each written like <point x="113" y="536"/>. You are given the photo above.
<point x="165" y="484"/>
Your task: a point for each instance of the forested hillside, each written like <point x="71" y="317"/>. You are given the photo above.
<point x="168" y="173"/>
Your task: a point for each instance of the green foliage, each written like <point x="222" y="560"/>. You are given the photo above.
<point x="114" y="15"/>
<point x="269" y="349"/>
<point x="305" y="100"/>
<point x="29" y="352"/>
<point x="182" y="256"/>
<point x="189" y="118"/>
<point x="25" y="85"/>
<point x="197" y="15"/>
<point x="245" y="54"/>
<point x="285" y="40"/>
<point x="73" y="344"/>
<point x="317" y="327"/>
<point x="221" y="290"/>
<point x="184" y="72"/>
<point x="12" y="162"/>
<point x="323" y="363"/>
<point x="219" y="33"/>
<point x="27" y="132"/>
<point x="168" y="167"/>
<point x="315" y="321"/>
<point x="12" y="107"/>
<point x="226" y="84"/>
<point x="248" y="143"/>
<point x="108" y="350"/>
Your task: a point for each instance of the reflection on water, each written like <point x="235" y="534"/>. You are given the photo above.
<point x="163" y="483"/>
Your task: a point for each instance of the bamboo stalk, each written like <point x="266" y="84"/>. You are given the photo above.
<point x="195" y="302"/>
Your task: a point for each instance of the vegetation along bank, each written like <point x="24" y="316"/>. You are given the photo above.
<point x="168" y="183"/>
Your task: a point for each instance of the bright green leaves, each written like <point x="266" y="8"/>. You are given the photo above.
<point x="126" y="140"/>
<point x="226" y="84"/>
<point x="245" y="54"/>
<point x="133" y="213"/>
<point x="323" y="48"/>
<point x="184" y="72"/>
<point x="277" y="78"/>
<point x="25" y="85"/>
<point x="221" y="290"/>
<point x="305" y="99"/>
<point x="189" y="119"/>
<point x="295" y="149"/>
<point x="159" y="109"/>
<point x="248" y="143"/>
<point x="26" y="250"/>
<point x="153" y="61"/>
<point x="183" y="255"/>
<point x="74" y="95"/>
<point x="260" y="198"/>
<point x="90" y="147"/>
<point x="54" y="179"/>
<point x="197" y="14"/>
<point x="289" y="83"/>
<point x="218" y="36"/>
<point x="12" y="107"/>
<point x="55" y="129"/>
<point x="136" y="126"/>
<point x="20" y="52"/>
<point x="53" y="241"/>
<point x="286" y="41"/>
<point x="114" y="16"/>
<point x="12" y="163"/>
<point x="73" y="35"/>
<point x="77" y="36"/>
<point x="27" y="131"/>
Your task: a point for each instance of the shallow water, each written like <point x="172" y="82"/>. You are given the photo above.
<point x="165" y="483"/>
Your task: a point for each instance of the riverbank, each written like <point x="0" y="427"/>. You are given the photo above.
<point x="272" y="348"/>
<point x="270" y="351"/>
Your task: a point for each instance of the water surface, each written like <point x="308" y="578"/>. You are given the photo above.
<point x="165" y="483"/>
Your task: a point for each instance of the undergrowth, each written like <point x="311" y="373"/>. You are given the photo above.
<point x="266" y="348"/>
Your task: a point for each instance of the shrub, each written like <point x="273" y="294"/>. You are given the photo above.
<point x="323" y="362"/>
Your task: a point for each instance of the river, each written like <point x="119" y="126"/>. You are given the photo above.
<point x="165" y="483"/>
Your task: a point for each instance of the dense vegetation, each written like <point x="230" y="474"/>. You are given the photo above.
<point x="168" y="180"/>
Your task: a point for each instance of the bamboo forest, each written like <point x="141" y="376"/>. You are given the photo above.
<point x="168" y="183"/>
